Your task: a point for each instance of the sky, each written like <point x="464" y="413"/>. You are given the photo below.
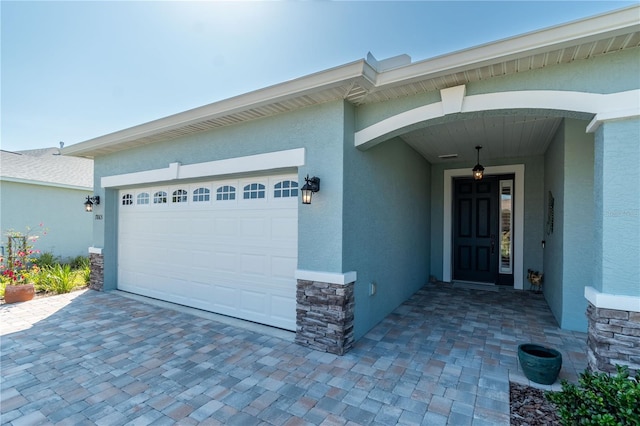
<point x="75" y="70"/>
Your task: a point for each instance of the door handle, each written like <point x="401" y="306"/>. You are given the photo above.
<point x="493" y="243"/>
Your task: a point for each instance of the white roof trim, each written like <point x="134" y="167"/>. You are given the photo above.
<point x="264" y="96"/>
<point x="176" y="171"/>
<point x="612" y="106"/>
<point x="362" y="74"/>
<point x="530" y="43"/>
<point x="42" y="183"/>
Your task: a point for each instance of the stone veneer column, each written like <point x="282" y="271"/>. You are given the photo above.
<point x="613" y="336"/>
<point x="96" y="261"/>
<point x="324" y="316"/>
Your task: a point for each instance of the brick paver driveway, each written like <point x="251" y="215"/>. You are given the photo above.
<point x="444" y="356"/>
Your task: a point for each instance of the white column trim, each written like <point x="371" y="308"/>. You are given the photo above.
<point x="175" y="171"/>
<point x="612" y="301"/>
<point x="326" y="277"/>
<point x="518" y="222"/>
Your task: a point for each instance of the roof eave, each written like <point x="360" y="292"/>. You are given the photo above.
<point x="622" y="21"/>
<point x="293" y="88"/>
<point x="610" y="24"/>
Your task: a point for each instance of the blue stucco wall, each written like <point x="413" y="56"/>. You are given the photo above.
<point x="319" y="129"/>
<point x="610" y="73"/>
<point x="617" y="208"/>
<point x="386" y="226"/>
<point x="569" y="252"/>
<point x="60" y="210"/>
<point x="578" y="246"/>
<point x="554" y="242"/>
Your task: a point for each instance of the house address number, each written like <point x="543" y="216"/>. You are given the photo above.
<point x="98" y="217"/>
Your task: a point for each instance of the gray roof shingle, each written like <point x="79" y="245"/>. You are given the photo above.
<point x="46" y="166"/>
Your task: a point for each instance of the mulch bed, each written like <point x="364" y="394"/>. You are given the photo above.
<point x="529" y="407"/>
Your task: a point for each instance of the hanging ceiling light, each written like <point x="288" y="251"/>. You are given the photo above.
<point x="478" y="170"/>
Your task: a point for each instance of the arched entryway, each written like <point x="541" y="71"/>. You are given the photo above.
<point x="516" y="128"/>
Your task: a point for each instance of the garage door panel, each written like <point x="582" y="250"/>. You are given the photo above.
<point x="235" y="257"/>
<point x="282" y="307"/>
<point x="226" y="297"/>
<point x="282" y="266"/>
<point x="253" y="227"/>
<point x="253" y="264"/>
<point x="253" y="302"/>
<point x="223" y="261"/>
<point x="226" y="227"/>
<point x="284" y="229"/>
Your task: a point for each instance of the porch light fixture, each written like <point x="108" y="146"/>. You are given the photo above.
<point x="478" y="170"/>
<point x="311" y="185"/>
<point x="88" y="205"/>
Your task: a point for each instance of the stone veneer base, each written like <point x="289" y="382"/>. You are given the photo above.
<point x="613" y="338"/>
<point x="324" y="316"/>
<point x="96" y="279"/>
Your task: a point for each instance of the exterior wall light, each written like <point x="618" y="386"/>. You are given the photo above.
<point x="88" y="205"/>
<point x="478" y="170"/>
<point x="311" y="185"/>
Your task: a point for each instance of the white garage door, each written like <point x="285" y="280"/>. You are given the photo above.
<point x="226" y="246"/>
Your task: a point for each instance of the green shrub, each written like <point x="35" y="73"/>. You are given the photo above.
<point x="3" y="283"/>
<point x="79" y="262"/>
<point x="86" y="275"/>
<point x="599" y="399"/>
<point x="40" y="279"/>
<point x="61" y="279"/>
<point x="46" y="260"/>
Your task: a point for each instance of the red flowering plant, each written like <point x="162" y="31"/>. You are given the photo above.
<point x="20" y="262"/>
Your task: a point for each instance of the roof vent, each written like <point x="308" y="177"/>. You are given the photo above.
<point x="447" y="156"/>
<point x="389" y="63"/>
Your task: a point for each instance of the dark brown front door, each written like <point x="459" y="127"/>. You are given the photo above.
<point x="475" y="244"/>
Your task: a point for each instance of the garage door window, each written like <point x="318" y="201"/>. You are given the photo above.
<point x="179" y="196"/>
<point x="225" y="193"/>
<point x="127" y="199"/>
<point x="254" y="190"/>
<point x="160" y="197"/>
<point x="284" y="189"/>
<point x="143" y="198"/>
<point x="201" y="195"/>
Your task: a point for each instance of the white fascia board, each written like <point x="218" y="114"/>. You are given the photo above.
<point x="326" y="277"/>
<point x="325" y="79"/>
<point x="43" y="183"/>
<point x="610" y="24"/>
<point x="176" y="171"/>
<point x="612" y="301"/>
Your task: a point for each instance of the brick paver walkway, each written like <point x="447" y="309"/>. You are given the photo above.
<point x="444" y="356"/>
